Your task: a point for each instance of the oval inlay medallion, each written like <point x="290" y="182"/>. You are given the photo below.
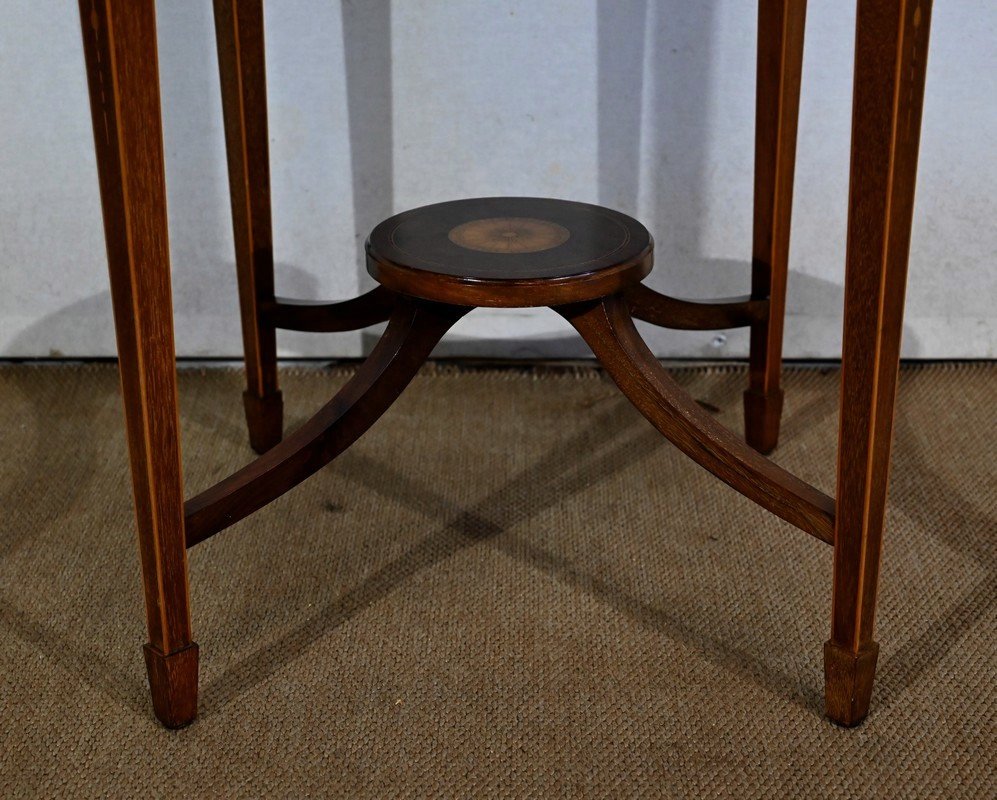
<point x="509" y="235"/>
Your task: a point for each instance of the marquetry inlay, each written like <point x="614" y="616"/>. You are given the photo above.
<point x="509" y="235"/>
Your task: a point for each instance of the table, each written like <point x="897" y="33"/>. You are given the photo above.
<point x="890" y="63"/>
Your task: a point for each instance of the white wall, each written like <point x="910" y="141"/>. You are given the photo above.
<point x="646" y="105"/>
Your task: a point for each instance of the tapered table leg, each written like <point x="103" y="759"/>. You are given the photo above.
<point x="242" y="67"/>
<point x="890" y="60"/>
<point x="777" y="105"/>
<point x="119" y="38"/>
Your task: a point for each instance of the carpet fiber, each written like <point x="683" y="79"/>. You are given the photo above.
<point x="511" y="587"/>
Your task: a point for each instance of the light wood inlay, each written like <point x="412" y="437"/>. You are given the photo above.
<point x="509" y="235"/>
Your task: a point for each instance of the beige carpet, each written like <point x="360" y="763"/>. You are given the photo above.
<point x="512" y="587"/>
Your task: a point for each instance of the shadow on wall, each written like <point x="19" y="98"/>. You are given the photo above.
<point x="805" y="292"/>
<point x="91" y="319"/>
<point x="367" y="54"/>
<point x="667" y="44"/>
<point x="670" y="126"/>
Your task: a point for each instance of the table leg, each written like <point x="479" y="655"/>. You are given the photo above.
<point x="890" y="59"/>
<point x="777" y="105"/>
<point x="119" y="38"/>
<point x="242" y="67"/>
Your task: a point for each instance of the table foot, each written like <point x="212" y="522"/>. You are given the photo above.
<point x="762" y="412"/>
<point x="173" y="681"/>
<point x="848" y="679"/>
<point x="264" y="418"/>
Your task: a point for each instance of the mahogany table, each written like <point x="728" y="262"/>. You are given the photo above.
<point x="436" y="263"/>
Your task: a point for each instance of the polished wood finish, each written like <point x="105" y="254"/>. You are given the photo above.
<point x="608" y="328"/>
<point x="317" y="317"/>
<point x="694" y="315"/>
<point x="413" y="331"/>
<point x="119" y="43"/>
<point x="174" y="681"/>
<point x="891" y="51"/>
<point x="417" y="324"/>
<point x="558" y="252"/>
<point x="780" y="64"/>
<point x="509" y="235"/>
<point x="438" y="262"/>
<point x="242" y="68"/>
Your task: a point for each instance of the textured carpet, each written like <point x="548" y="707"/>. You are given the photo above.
<point x="512" y="587"/>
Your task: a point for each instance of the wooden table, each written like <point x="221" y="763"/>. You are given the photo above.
<point x="890" y="61"/>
